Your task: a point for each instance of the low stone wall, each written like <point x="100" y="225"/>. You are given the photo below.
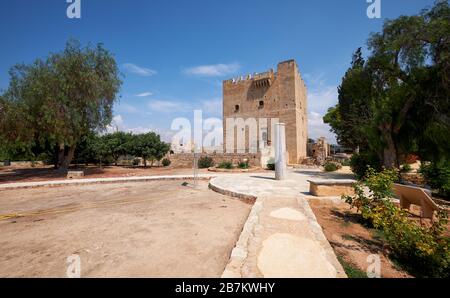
<point x="186" y="160"/>
<point x="330" y="188"/>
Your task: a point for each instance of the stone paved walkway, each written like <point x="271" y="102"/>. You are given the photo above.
<point x="282" y="237"/>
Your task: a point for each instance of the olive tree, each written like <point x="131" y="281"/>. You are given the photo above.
<point x="60" y="99"/>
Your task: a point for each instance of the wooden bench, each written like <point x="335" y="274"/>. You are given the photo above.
<point x="412" y="195"/>
<point x="331" y="187"/>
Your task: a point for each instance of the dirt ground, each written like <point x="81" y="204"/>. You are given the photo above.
<point x="43" y="173"/>
<point x="148" y="229"/>
<point x="350" y="240"/>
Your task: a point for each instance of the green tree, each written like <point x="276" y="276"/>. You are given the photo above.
<point x="99" y="148"/>
<point x="148" y="146"/>
<point x="118" y="144"/>
<point x="60" y="99"/>
<point x="397" y="101"/>
<point x="350" y="117"/>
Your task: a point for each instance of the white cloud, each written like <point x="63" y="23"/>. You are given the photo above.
<point x="128" y="108"/>
<point x="322" y="99"/>
<point x="321" y="96"/>
<point x="144" y="94"/>
<point x="166" y="135"/>
<point x="138" y="70"/>
<point x="215" y="70"/>
<point x="117" y="123"/>
<point x="317" y="128"/>
<point x="166" y="106"/>
<point x="118" y="120"/>
<point x="213" y="106"/>
<point x="314" y="80"/>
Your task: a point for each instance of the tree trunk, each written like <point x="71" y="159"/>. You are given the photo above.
<point x="56" y="157"/>
<point x="389" y="158"/>
<point x="68" y="158"/>
<point x="60" y="156"/>
<point x="390" y="151"/>
<point x="145" y="162"/>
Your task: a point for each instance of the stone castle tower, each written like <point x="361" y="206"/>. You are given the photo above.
<point x="280" y="95"/>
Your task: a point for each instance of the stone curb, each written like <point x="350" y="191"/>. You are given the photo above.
<point x="248" y="198"/>
<point x="240" y="251"/>
<point x="59" y="183"/>
<point x="316" y="229"/>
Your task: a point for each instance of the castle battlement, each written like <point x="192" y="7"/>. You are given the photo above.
<point x="270" y="74"/>
<point x="252" y="77"/>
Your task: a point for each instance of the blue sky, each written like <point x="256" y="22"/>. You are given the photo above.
<point x="174" y="54"/>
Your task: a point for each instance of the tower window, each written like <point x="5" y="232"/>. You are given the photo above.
<point x="236" y="108"/>
<point x="261" y="104"/>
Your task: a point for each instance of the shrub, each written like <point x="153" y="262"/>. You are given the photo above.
<point x="136" y="162"/>
<point x="225" y="165"/>
<point x="271" y="166"/>
<point x="205" y="162"/>
<point x="406" y="168"/>
<point x="331" y="166"/>
<point x="166" y="162"/>
<point x="359" y="164"/>
<point x="437" y="175"/>
<point x="345" y="162"/>
<point x="243" y="165"/>
<point x="422" y="250"/>
<point x="107" y="161"/>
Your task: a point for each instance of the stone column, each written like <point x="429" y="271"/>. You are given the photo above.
<point x="280" y="151"/>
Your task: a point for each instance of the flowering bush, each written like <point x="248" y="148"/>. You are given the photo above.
<point x="422" y="250"/>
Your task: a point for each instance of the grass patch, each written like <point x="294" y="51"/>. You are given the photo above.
<point x="351" y="270"/>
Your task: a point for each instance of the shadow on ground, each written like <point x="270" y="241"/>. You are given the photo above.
<point x="48" y="173"/>
<point x="262" y="177"/>
<point x="369" y="245"/>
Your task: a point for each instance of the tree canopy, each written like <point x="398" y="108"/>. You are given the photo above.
<point x="110" y="147"/>
<point x="58" y="100"/>
<point x="397" y="101"/>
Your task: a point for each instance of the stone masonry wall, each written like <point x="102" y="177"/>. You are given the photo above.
<point x="186" y="160"/>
